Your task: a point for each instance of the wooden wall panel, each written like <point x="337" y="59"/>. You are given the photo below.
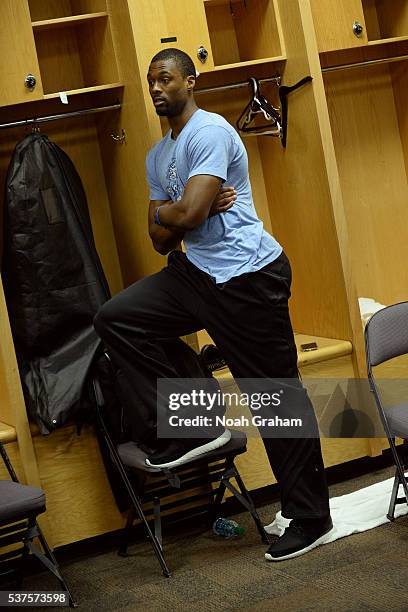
<point x="17" y="54"/>
<point x="59" y="59"/>
<point x="223" y="37"/>
<point x="54" y="9"/>
<point x="259" y="18"/>
<point x="96" y="50"/>
<point x="371" y="20"/>
<point x="373" y="179"/>
<point x="81" y="7"/>
<point x="10" y="392"/>
<point x="392" y="18"/>
<point x="399" y="76"/>
<point x="334" y="23"/>
<point x="79" y="499"/>
<point x="49" y="9"/>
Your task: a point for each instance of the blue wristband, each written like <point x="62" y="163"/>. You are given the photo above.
<point x="156" y="215"/>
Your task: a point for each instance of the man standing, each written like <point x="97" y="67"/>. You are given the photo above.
<point x="234" y="281"/>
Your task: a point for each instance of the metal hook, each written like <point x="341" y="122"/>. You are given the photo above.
<point x="121" y="138"/>
<point x="35" y="128"/>
<point x="255" y="87"/>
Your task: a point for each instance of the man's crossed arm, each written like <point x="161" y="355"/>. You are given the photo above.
<point x="202" y="198"/>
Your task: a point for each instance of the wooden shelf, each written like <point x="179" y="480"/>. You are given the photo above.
<point x="265" y="60"/>
<point x="219" y="2"/>
<point x="64" y="22"/>
<point x="386" y="41"/>
<point x="328" y="348"/>
<point x="75" y="92"/>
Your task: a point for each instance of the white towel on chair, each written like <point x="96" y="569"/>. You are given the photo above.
<point x="354" y="512"/>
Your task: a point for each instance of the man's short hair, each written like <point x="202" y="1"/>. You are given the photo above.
<point x="184" y="62"/>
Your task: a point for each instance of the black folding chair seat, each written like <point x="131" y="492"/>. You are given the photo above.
<point x="19" y="507"/>
<point x="17" y="500"/>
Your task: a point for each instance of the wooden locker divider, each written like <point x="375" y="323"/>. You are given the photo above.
<point x="124" y="165"/>
<point x="302" y="218"/>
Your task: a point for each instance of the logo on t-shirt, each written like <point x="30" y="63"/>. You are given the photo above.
<point x="173" y="188"/>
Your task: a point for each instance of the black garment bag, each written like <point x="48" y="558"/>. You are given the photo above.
<point x="53" y="280"/>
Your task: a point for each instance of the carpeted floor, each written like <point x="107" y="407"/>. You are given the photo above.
<point x="364" y="572"/>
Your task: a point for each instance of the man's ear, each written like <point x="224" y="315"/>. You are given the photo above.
<point x="191" y="80"/>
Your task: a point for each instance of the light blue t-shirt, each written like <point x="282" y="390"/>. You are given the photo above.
<point x="230" y="243"/>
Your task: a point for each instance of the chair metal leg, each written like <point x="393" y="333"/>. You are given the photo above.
<point x="123" y="548"/>
<point x="400" y="467"/>
<point x="136" y="504"/>
<point x="393" y="500"/>
<point x="244" y="497"/>
<point x="215" y="505"/>
<point x="151" y="535"/>
<point x="49" y="556"/>
<point x="20" y="571"/>
<point x="133" y="498"/>
<point x="157" y="521"/>
<point x="264" y="535"/>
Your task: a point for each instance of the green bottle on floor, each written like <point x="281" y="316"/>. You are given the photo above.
<point x="227" y="528"/>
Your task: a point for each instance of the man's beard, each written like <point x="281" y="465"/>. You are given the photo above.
<point x="162" y="111"/>
<point x="172" y="110"/>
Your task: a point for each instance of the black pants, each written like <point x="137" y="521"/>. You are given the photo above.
<point x="248" y="319"/>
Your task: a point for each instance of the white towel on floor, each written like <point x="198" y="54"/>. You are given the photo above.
<point x="355" y="512"/>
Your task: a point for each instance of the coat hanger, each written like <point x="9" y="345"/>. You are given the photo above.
<point x="284" y="91"/>
<point x="259" y="105"/>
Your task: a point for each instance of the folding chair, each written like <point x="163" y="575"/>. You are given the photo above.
<point x="386" y="337"/>
<point x="155" y="485"/>
<point x="19" y="507"/>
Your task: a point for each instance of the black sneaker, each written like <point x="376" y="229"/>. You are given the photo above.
<point x="299" y="539"/>
<point x="182" y="451"/>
